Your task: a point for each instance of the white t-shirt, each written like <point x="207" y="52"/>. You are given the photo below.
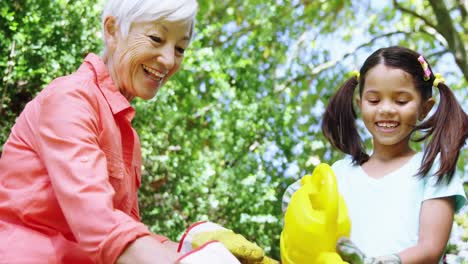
<point x="384" y="212"/>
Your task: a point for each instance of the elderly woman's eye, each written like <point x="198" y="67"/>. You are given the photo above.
<point x="155" y="39"/>
<point x="180" y="50"/>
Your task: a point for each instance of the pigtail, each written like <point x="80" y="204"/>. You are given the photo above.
<point x="448" y="127"/>
<point x="338" y="123"/>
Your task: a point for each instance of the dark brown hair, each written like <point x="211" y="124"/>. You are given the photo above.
<point x="447" y="128"/>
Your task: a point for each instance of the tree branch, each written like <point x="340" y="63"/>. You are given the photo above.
<point x="413" y="13"/>
<point x="437" y="53"/>
<point x="446" y="28"/>
<point x="462" y="8"/>
<point x="433" y="34"/>
<point x="329" y="64"/>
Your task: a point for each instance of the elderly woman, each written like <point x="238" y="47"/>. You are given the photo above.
<point x="71" y="168"/>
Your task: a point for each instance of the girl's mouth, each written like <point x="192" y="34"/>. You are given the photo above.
<point x="387" y="124"/>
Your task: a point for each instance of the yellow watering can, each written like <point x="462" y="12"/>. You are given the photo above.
<point x="315" y="218"/>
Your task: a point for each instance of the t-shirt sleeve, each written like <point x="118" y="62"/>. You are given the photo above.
<point x="288" y="194"/>
<point x="342" y="167"/>
<point x="337" y="168"/>
<point x="454" y="188"/>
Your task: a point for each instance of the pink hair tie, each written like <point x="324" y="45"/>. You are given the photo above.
<point x="425" y="66"/>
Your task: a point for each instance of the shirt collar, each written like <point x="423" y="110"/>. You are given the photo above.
<point x="117" y="102"/>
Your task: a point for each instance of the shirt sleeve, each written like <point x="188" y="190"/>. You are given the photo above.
<point x="288" y="194"/>
<point x="67" y="142"/>
<point x="340" y="168"/>
<point x="291" y="189"/>
<point x="454" y="188"/>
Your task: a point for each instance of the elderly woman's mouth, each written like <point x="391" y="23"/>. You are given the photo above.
<point x="152" y="73"/>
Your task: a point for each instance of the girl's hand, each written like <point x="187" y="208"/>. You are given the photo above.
<point x="352" y="254"/>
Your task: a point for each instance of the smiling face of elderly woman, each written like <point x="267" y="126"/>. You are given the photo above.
<point x="143" y="54"/>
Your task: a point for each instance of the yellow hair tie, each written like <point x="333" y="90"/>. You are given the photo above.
<point x="356" y="73"/>
<point x="438" y="79"/>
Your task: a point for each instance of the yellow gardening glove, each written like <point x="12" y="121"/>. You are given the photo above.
<point x="315" y="218"/>
<point x="237" y="244"/>
<point x="244" y="250"/>
<point x="265" y="260"/>
<point x="209" y="253"/>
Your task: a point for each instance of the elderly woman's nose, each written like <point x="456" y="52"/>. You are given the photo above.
<point x="167" y="57"/>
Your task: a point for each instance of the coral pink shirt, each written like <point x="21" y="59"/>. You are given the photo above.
<point x="70" y="172"/>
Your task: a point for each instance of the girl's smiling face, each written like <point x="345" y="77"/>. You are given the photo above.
<point x="143" y="61"/>
<point x="391" y="106"/>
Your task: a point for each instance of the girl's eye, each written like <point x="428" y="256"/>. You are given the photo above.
<point x="373" y="101"/>
<point x="155" y="39"/>
<point x="401" y="102"/>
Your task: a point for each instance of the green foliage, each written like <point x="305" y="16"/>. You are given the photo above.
<point x="39" y="41"/>
<point x="241" y="120"/>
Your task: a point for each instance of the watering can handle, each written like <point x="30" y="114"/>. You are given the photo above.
<point x="325" y="196"/>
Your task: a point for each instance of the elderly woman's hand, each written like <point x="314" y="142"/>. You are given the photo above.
<point x="147" y="250"/>
<point x="247" y="252"/>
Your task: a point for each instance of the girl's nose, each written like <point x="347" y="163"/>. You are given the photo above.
<point x="386" y="108"/>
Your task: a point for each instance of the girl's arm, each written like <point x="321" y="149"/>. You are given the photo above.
<point x="435" y="223"/>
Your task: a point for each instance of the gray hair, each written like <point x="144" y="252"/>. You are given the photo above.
<point x="130" y="11"/>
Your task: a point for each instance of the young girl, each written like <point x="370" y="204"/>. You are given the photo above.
<point x="401" y="202"/>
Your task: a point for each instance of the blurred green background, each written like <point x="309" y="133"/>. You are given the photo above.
<point x="241" y="120"/>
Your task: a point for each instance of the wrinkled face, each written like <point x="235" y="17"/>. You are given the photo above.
<point x="150" y="54"/>
<point x="391" y="105"/>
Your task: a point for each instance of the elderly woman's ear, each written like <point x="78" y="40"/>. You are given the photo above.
<point x="111" y="32"/>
